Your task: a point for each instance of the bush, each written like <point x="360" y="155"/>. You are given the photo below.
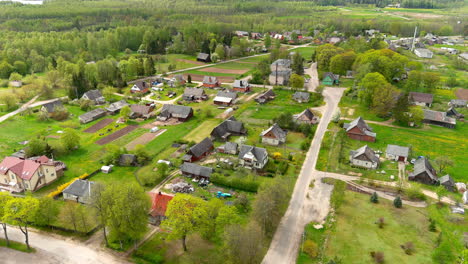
<point x="408" y="247"/>
<point x="432" y="225"/>
<point x="236" y="183"/>
<point x="378" y="256"/>
<point x="415" y="193"/>
<point x="397" y="202"/>
<point x="381" y="222"/>
<point x="374" y="198"/>
<point x="311" y="248"/>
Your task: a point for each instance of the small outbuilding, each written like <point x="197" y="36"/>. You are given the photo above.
<point x="79" y="191"/>
<point x="448" y="183"/>
<point x="397" y="153"/>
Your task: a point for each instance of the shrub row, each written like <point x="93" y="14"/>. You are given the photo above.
<point x="236" y="183"/>
<point x="62" y="187"/>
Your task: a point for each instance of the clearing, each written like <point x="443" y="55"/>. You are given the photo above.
<point x="202" y="131"/>
<point x="143" y="139"/>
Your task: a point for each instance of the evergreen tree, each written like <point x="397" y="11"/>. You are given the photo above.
<point x="401" y="108"/>
<point x="374" y="198"/>
<point x="298" y="64"/>
<point x="189" y="78"/>
<point x="397" y="202"/>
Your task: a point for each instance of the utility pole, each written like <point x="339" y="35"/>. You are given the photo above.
<point x="276" y="73"/>
<point x="414" y="38"/>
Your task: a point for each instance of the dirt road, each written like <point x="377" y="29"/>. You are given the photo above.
<point x="314" y="80"/>
<point x="303" y="209"/>
<point x="55" y="250"/>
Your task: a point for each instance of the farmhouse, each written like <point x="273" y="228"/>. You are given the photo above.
<point x="114" y="108"/>
<point x="51" y="107"/>
<point x="439" y="119"/>
<point x="199" y="151"/>
<point x="228" y="148"/>
<point x="280" y="72"/>
<point x="159" y="204"/>
<point x="179" y="112"/>
<point x="252" y="157"/>
<point x="92" y="115"/>
<point x="194" y="94"/>
<point x="397" y="153"/>
<point x="359" y="130"/>
<point x="423" y="172"/>
<point x="265" y="97"/>
<point x="330" y="79"/>
<point x="448" y="183"/>
<point x="229" y="127"/>
<point x="141" y="111"/>
<point x="203" y="57"/>
<point x="211" y="82"/>
<point x="225" y="98"/>
<point x="95" y="96"/>
<point x="364" y="157"/>
<point x="195" y="171"/>
<point x="241" y="86"/>
<point x="19" y="175"/>
<point x="458" y="103"/>
<point x="305" y="117"/>
<point x="140" y="87"/>
<point x="301" y="97"/>
<point x="421" y="99"/>
<point x="274" y="135"/>
<point x="424" y="53"/>
<point x="79" y="191"/>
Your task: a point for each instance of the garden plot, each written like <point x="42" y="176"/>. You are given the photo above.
<point x="199" y="77"/>
<point x="191" y="61"/>
<point x="120" y="133"/>
<point x="99" y="125"/>
<point x="143" y="139"/>
<point x="229" y="71"/>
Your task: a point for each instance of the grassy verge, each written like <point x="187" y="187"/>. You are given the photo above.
<point x="16" y="246"/>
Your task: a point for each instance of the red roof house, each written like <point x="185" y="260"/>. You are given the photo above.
<point x="159" y="202"/>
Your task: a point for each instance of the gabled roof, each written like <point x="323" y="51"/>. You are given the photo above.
<point x="195" y="169"/>
<point x="362" y="125"/>
<point x="232" y="95"/>
<point x="177" y="111"/>
<point x="277" y="131"/>
<point x="24" y="168"/>
<point x="421" y="97"/>
<point x="266" y="95"/>
<point x="79" y="188"/>
<point x="229" y="146"/>
<point x="159" y="204"/>
<point x="92" y="114"/>
<point x="228" y="126"/>
<point x="332" y="76"/>
<point x="423" y="165"/>
<point x="52" y="106"/>
<point x="179" y="77"/>
<point x="116" y="106"/>
<point x="210" y="80"/>
<point x="203" y="56"/>
<point x="141" y="109"/>
<point x="282" y="62"/>
<point x="304" y="96"/>
<point x="201" y="148"/>
<point x="398" y="150"/>
<point x="194" y="91"/>
<point x="140" y="86"/>
<point x="258" y="153"/>
<point x="446" y="179"/>
<point x="93" y="95"/>
<point x="364" y="152"/>
<point x="240" y="84"/>
<point x="307" y="113"/>
<point x="458" y="102"/>
<point x="438" y="117"/>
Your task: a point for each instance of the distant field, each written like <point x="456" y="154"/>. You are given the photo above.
<point x="305" y="52"/>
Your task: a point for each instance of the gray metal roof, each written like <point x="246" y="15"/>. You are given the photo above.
<point x="79" y="188"/>
<point x="202" y="147"/>
<point x="421" y="97"/>
<point x="301" y="96"/>
<point x="240" y="84"/>
<point x="195" y="169"/>
<point x="93" y="95"/>
<point x="438" y="117"/>
<point x="116" y="106"/>
<point x="232" y="95"/>
<point x="367" y="152"/>
<point x="177" y="111"/>
<point x="194" y="91"/>
<point x="446" y="179"/>
<point x="282" y="62"/>
<point x="423" y="165"/>
<point x="398" y="150"/>
<point x="91" y="115"/>
<point x="276" y="130"/>
<point x="52" y="106"/>
<point x="258" y="153"/>
<point x="228" y="126"/>
<point x="210" y="80"/>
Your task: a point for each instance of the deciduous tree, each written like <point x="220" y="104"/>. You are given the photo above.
<point x="21" y="212"/>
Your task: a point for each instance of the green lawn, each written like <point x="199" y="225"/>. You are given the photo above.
<point x="306" y="52"/>
<point x="16" y="246"/>
<point x="356" y="233"/>
<point x="202" y="131"/>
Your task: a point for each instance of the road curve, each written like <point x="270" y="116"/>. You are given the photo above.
<point x="285" y="243"/>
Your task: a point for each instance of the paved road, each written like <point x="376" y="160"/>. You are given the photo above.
<point x="52" y="249"/>
<point x="31" y="103"/>
<point x="285" y="243"/>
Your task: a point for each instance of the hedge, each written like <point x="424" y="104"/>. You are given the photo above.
<point x="62" y="187"/>
<point x="236" y="183"/>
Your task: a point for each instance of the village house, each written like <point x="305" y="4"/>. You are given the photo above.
<point x="211" y="82"/>
<point x="280" y="72"/>
<point x="448" y="183"/>
<point x="51" y="107"/>
<point x="179" y="79"/>
<point x="274" y="135"/>
<point x="95" y="96"/>
<point x="19" y="175"/>
<point x="301" y="97"/>
<point x="228" y="148"/>
<point x="159" y="202"/>
<point x="265" y="97"/>
<point x="397" y="153"/>
<point x="196" y="171"/>
<point x="423" y="172"/>
<point x="241" y="33"/>
<point x="256" y="35"/>
<point x="204" y="57"/>
<point x="194" y="94"/>
<point x="423" y="53"/>
<point x="306" y="117"/>
<point x="452" y="112"/>
<point x="364" y="157"/>
<point x="114" y="108"/>
<point x="229" y="127"/>
<point x="359" y="130"/>
<point x="141" y="111"/>
<point x="439" y="119"/>
<point x="330" y="79"/>
<point x="128" y="160"/>
<point x="79" y="191"/>
<point x="92" y="115"/>
<point x="140" y="87"/>
<point x="458" y="103"/>
<point x="179" y="112"/>
<point x="252" y="157"/>
<point x="421" y="99"/>
<point x="225" y="98"/>
<point x="241" y="86"/>
<point x="199" y="151"/>
<point x="334" y="40"/>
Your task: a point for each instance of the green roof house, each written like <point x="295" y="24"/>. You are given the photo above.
<point x="330" y="79"/>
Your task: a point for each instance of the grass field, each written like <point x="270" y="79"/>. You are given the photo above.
<point x="202" y="131"/>
<point x="306" y="52"/>
<point x="16" y="246"/>
<point x="356" y="233"/>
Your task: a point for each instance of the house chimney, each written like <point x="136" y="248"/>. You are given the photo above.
<point x="160" y="193"/>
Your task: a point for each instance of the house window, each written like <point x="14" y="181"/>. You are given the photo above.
<point x="6" y="180"/>
<point x="53" y="174"/>
<point x="47" y="170"/>
<point x="12" y="177"/>
<point x="26" y="185"/>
